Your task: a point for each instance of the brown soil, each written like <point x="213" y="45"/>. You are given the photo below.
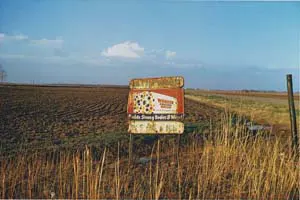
<point x="35" y="113"/>
<point x="199" y="112"/>
<point x="61" y="111"/>
<point x="70" y="111"/>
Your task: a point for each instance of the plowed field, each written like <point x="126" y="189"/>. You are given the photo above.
<point x="32" y="114"/>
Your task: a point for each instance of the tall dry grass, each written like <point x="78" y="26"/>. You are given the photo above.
<point x="226" y="164"/>
<point x="265" y="112"/>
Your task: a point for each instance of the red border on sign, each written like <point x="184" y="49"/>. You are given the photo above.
<point x="177" y="93"/>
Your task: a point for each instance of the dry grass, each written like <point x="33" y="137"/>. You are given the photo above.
<point x="227" y="164"/>
<point x="251" y="93"/>
<point x="263" y="112"/>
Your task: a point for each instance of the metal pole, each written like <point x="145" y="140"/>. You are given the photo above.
<point x="295" y="142"/>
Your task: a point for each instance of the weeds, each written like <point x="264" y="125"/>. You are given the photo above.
<point x="255" y="110"/>
<point x="224" y="165"/>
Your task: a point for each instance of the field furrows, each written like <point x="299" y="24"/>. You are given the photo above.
<point x="67" y="112"/>
<point x="199" y="112"/>
<point x="25" y="112"/>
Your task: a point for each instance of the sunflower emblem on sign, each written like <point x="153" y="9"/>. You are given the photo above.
<point x="143" y="103"/>
<point x="151" y="102"/>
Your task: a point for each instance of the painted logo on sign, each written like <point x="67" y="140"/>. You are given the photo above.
<point x="151" y="102"/>
<point x="154" y="106"/>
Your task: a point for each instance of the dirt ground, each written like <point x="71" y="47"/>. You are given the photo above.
<point x="33" y="113"/>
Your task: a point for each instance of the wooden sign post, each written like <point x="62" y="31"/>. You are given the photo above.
<point x="155" y="106"/>
<point x="295" y="141"/>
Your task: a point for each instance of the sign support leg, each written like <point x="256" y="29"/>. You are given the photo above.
<point x="130" y="149"/>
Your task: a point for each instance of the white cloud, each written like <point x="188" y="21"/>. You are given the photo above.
<point x="126" y="49"/>
<point x="17" y="37"/>
<point x="133" y="51"/>
<point x="70" y="59"/>
<point x="96" y="60"/>
<point x="2" y="35"/>
<point x="170" y="54"/>
<point x="20" y="37"/>
<point x="56" y="43"/>
<point x="15" y="56"/>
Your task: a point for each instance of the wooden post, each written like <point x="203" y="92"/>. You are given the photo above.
<point x="178" y="147"/>
<point x="295" y="142"/>
<point x="130" y="149"/>
<point x="178" y="166"/>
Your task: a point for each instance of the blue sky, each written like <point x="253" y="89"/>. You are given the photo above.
<point x="214" y="45"/>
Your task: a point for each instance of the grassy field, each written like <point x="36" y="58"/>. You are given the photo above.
<point x="72" y="142"/>
<point x="270" y="110"/>
<point x="248" y="93"/>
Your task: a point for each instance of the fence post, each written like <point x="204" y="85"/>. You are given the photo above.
<point x="295" y="142"/>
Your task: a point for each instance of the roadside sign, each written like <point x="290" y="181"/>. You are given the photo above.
<point x="156" y="105"/>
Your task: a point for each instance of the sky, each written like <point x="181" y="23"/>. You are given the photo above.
<point x="212" y="44"/>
